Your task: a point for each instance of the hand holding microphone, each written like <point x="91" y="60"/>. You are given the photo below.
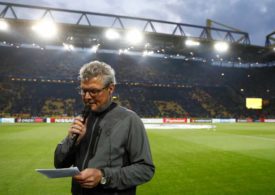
<point x="78" y="128"/>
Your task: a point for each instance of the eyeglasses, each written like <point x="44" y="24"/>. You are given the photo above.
<point x="92" y="92"/>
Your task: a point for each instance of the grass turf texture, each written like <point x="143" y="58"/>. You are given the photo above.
<point x="231" y="159"/>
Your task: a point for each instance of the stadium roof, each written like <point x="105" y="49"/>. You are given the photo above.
<point x="88" y="29"/>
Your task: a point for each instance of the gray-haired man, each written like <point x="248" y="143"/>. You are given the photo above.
<point x="112" y="149"/>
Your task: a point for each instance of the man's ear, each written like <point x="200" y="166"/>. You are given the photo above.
<point x="111" y="88"/>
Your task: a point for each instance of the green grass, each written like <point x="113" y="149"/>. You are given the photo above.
<point x="231" y="159"/>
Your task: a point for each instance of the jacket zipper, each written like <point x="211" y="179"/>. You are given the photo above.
<point x="87" y="153"/>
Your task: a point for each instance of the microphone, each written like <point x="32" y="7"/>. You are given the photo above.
<point x="84" y="114"/>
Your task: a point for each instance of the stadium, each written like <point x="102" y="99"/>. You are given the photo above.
<point x="207" y="100"/>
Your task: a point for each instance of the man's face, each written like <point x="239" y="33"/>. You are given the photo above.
<point x="96" y="94"/>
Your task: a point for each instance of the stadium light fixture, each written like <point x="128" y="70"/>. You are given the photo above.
<point x="68" y="47"/>
<point x="134" y="36"/>
<point x="95" y="48"/>
<point x="4" y="26"/>
<point x="221" y="46"/>
<point x="146" y="53"/>
<point x="192" y="43"/>
<point x="147" y="45"/>
<point x="112" y="34"/>
<point x="46" y="29"/>
<point x="120" y="51"/>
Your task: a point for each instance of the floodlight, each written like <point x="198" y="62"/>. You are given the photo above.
<point x="95" y="48"/>
<point x="4" y="25"/>
<point x="120" y="51"/>
<point x="146" y="53"/>
<point x="221" y="46"/>
<point x="71" y="47"/>
<point x="134" y="36"/>
<point x="146" y="45"/>
<point x="112" y="34"/>
<point x="68" y="46"/>
<point x="46" y="29"/>
<point x="191" y="43"/>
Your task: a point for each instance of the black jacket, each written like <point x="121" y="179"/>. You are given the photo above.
<point x="115" y="142"/>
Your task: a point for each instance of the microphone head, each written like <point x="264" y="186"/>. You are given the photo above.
<point x="85" y="112"/>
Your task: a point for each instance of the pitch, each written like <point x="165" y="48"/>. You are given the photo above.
<point x="230" y="159"/>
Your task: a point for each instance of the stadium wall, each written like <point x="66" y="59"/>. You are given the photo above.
<point x="144" y="120"/>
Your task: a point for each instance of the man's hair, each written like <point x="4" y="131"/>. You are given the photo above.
<point x="97" y="69"/>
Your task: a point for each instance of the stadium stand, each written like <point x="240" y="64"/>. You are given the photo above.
<point x="37" y="82"/>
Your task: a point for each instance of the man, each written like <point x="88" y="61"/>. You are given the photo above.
<point x="110" y="148"/>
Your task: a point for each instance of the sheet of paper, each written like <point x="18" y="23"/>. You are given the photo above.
<point x="57" y="173"/>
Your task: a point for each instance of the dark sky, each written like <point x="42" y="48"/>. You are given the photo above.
<point x="257" y="17"/>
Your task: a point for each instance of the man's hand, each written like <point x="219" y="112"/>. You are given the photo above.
<point x="78" y="128"/>
<point x="89" y="178"/>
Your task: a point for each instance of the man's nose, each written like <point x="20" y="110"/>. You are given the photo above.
<point x="87" y="95"/>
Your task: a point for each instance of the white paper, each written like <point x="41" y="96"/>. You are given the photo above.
<point x="57" y="173"/>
